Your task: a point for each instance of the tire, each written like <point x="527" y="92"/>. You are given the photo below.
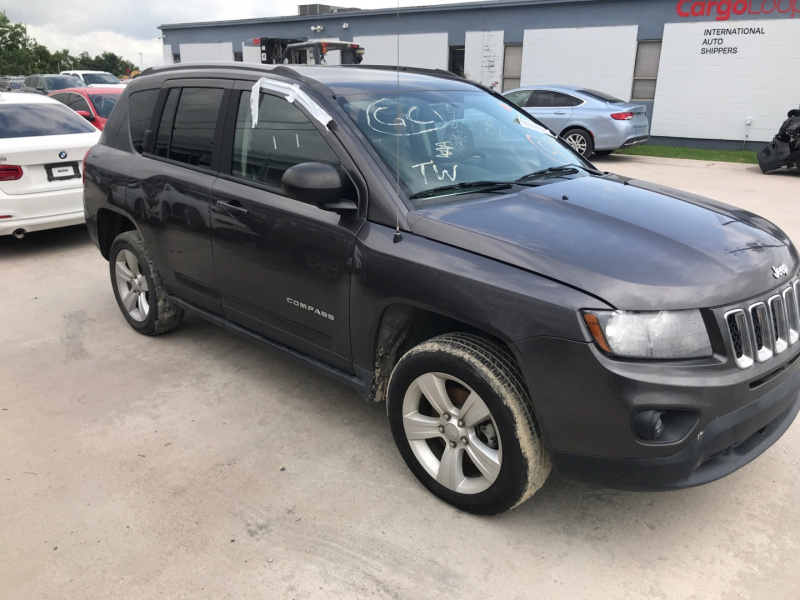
<point x="493" y="459"/>
<point x="603" y="152"/>
<point x="580" y="140"/>
<point x="138" y="287"/>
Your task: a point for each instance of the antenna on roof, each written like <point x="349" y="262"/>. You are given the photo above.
<point x="397" y="236"/>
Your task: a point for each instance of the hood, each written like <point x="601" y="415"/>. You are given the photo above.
<point x="634" y="245"/>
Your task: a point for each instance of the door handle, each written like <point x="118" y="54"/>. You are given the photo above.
<point x="233" y="210"/>
<point x="561" y="112"/>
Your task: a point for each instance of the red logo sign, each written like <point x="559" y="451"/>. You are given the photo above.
<point x="722" y="10"/>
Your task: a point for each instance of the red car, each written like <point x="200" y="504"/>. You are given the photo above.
<point x="93" y="103"/>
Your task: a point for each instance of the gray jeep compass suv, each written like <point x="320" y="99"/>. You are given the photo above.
<point x="421" y="239"/>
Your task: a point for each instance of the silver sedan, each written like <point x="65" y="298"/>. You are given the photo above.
<point x="590" y="121"/>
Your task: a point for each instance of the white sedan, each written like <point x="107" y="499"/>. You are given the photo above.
<point x="42" y="147"/>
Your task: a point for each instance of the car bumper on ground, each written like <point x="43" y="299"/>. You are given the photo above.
<point x="727" y="416"/>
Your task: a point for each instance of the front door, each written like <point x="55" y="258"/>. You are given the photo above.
<point x="283" y="266"/>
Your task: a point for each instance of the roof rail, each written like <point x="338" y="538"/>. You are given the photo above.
<point x="437" y="72"/>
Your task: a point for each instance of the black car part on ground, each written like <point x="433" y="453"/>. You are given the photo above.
<point x="784" y="149"/>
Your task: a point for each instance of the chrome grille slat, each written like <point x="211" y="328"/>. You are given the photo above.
<point x="761" y="330"/>
<point x="780" y="325"/>
<point x="792" y="313"/>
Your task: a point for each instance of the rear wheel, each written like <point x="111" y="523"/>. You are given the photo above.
<point x="138" y="287"/>
<point x="463" y="422"/>
<point x="580" y="140"/>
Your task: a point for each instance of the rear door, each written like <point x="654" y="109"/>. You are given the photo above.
<point x="552" y="108"/>
<point x="283" y="266"/>
<point x="171" y="191"/>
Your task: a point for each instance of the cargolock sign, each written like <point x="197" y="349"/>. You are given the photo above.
<point x="722" y="10"/>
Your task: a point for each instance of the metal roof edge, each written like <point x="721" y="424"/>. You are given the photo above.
<point x="380" y="11"/>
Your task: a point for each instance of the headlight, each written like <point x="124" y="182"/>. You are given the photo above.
<point x="663" y="334"/>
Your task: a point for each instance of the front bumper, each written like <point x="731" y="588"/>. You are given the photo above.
<point x="725" y="445"/>
<point x="584" y="403"/>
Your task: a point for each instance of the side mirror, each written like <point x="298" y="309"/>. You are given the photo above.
<point x="86" y="115"/>
<point x="316" y="183"/>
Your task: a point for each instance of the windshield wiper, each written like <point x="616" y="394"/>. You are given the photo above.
<point x="555" y="172"/>
<point x="466" y="185"/>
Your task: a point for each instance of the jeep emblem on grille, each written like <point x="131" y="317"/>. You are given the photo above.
<point x="780" y="271"/>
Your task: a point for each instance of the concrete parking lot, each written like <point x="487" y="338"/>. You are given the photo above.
<point x="198" y="465"/>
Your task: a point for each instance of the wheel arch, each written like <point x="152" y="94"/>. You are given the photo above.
<point x="580" y="126"/>
<point x="403" y="326"/>
<point x="110" y="224"/>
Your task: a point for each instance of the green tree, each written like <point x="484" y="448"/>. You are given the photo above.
<point x="22" y="55"/>
<point x="17" y="47"/>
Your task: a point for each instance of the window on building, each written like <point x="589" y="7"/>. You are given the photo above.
<point x="282" y="138"/>
<point x="512" y="66"/>
<point x="645" y="73"/>
<point x="456" y="61"/>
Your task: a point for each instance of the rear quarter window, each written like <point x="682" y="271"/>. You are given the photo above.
<point x="36" y="120"/>
<point x="140" y="112"/>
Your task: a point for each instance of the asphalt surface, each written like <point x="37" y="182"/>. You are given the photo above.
<point x="198" y="465"/>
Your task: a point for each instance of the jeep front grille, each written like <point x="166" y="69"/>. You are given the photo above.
<point x="765" y="328"/>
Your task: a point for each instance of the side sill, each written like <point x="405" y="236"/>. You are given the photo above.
<point x="360" y="385"/>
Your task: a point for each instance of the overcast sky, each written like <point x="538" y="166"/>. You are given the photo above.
<point x="130" y="27"/>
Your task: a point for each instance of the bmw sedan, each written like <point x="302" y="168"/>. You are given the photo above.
<point x="590" y="121"/>
<point x="42" y="145"/>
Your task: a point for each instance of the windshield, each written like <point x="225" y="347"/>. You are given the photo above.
<point x="104" y="103"/>
<point x="34" y="120"/>
<point x="444" y="139"/>
<point x="63" y="82"/>
<point x="105" y="78"/>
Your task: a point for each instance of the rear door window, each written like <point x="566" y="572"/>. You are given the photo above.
<point x="78" y="102"/>
<point x="188" y="137"/>
<point x="550" y="99"/>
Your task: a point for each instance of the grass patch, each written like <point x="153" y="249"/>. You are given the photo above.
<point x="734" y="156"/>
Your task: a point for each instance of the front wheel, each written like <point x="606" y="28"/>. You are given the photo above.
<point x="138" y="287"/>
<point x="580" y="140"/>
<point x="462" y="420"/>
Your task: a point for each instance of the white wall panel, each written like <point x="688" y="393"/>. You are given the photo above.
<point x="425" y="50"/>
<point x="710" y="96"/>
<point x="206" y="52"/>
<point x="251" y="54"/>
<point x="601" y="58"/>
<point x="483" y="56"/>
<point x="166" y="49"/>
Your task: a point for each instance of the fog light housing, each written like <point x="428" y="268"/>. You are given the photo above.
<point x="648" y="425"/>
